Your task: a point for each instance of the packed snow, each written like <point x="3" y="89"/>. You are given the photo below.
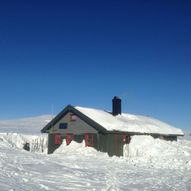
<point x="148" y="164"/>
<point x="129" y="122"/>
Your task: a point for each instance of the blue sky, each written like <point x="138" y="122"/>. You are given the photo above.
<point x="54" y="53"/>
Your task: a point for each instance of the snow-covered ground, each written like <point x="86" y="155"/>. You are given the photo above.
<point x="149" y="164"/>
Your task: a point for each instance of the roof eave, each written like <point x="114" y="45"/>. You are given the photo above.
<point x="142" y="133"/>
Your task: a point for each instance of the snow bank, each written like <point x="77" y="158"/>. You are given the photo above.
<point x="38" y="143"/>
<point x="75" y="148"/>
<point x="142" y="151"/>
<point x="76" y="167"/>
<point x="15" y="140"/>
<point x="160" y="153"/>
<point x="71" y="169"/>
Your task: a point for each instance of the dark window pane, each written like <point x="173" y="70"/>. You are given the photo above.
<point x="63" y="126"/>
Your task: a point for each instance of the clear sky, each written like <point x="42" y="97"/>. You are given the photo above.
<point x="54" y="53"/>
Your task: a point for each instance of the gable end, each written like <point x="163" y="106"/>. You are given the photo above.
<point x="83" y="117"/>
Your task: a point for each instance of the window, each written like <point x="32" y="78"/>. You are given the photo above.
<point x="69" y="138"/>
<point x="57" y="139"/>
<point x="73" y="117"/>
<point x="89" y="140"/>
<point x="63" y="126"/>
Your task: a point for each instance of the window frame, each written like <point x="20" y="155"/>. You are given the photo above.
<point x="69" y="138"/>
<point x="89" y="140"/>
<point x="57" y="139"/>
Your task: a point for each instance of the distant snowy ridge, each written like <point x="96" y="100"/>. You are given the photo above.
<point x="29" y="125"/>
<point x="187" y="136"/>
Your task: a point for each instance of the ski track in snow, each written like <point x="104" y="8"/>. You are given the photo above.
<point x="155" y="165"/>
<point x="82" y="169"/>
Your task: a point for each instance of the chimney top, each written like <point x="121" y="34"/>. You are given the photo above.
<point x="116" y="106"/>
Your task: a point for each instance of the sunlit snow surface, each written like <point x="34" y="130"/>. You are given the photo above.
<point x="149" y="164"/>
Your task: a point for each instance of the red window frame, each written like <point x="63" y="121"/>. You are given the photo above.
<point x="57" y="139"/>
<point x="69" y="138"/>
<point x="89" y="140"/>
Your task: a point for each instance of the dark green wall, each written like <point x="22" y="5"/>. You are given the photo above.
<point x="111" y="143"/>
<point x="114" y="144"/>
<point x="51" y="145"/>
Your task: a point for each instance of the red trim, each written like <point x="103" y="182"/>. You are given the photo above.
<point x="57" y="139"/>
<point x="69" y="138"/>
<point x="89" y="140"/>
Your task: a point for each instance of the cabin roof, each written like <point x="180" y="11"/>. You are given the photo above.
<point x="129" y="122"/>
<point x="104" y="121"/>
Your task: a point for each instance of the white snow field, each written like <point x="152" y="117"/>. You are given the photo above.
<point x="148" y="164"/>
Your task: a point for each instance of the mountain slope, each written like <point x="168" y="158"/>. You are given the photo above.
<point x="30" y="125"/>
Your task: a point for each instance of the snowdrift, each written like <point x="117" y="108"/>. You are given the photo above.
<point x="37" y="143"/>
<point x="142" y="150"/>
<point x="159" y="153"/>
<point x="76" y="167"/>
<point x="148" y="164"/>
<point x="78" y="149"/>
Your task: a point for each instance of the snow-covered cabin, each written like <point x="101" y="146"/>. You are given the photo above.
<point x="105" y="131"/>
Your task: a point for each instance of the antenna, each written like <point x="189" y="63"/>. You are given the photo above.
<point x="52" y="111"/>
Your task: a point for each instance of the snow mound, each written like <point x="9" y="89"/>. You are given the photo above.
<point x="13" y="139"/>
<point x="157" y="152"/>
<point x="75" y="148"/>
<point x="17" y="141"/>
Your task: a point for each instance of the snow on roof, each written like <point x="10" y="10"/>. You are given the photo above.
<point x="129" y="122"/>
